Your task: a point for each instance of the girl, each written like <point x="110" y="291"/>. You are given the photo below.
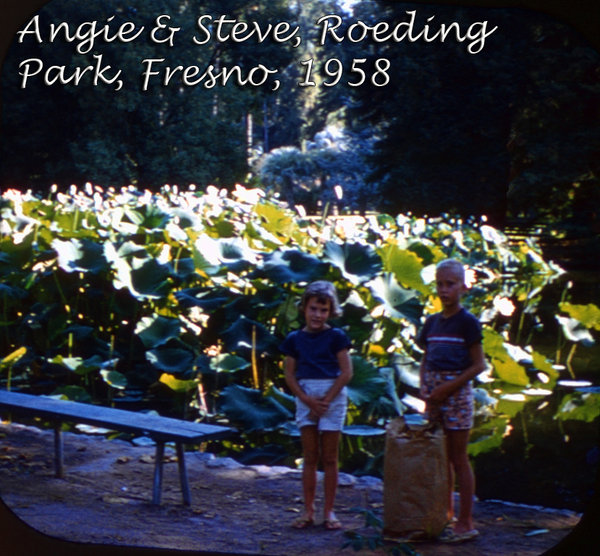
<point x="317" y="368"/>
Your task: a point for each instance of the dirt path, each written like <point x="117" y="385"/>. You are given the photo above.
<point x="104" y="500"/>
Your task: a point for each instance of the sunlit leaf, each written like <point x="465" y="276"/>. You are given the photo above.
<point x="80" y="255"/>
<point x="542" y="364"/>
<point x="276" y="220"/>
<point x="156" y="330"/>
<point x="115" y="379"/>
<point x="13" y="357"/>
<point x="579" y="407"/>
<point x="405" y="265"/>
<point x="228" y="363"/>
<point x="575" y="331"/>
<point x="357" y="262"/>
<point x="398" y="302"/>
<point x="510" y="371"/>
<point x="176" y="384"/>
<point x="588" y="315"/>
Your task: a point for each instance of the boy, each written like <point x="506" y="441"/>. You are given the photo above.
<point x="453" y="357"/>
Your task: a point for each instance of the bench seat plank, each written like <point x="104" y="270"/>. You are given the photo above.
<point x="128" y="421"/>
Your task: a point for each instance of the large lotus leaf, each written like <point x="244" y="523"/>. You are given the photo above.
<point x="12" y="358"/>
<point x="17" y="254"/>
<point x="542" y="364"/>
<point x="407" y="371"/>
<point x="233" y="253"/>
<point x="72" y="392"/>
<point x="579" y="407"/>
<point x="575" y="331"/>
<point x="492" y="436"/>
<point x="287" y="400"/>
<point x="398" y="302"/>
<point x="243" y="333"/>
<point x="176" y="384"/>
<point x="388" y="374"/>
<point x="510" y="371"/>
<point x="156" y="330"/>
<point x="362" y="430"/>
<point x="12" y="293"/>
<point x="229" y="363"/>
<point x="80" y="255"/>
<point x="151" y="218"/>
<point x="171" y="360"/>
<point x="405" y="265"/>
<point x="588" y="315"/>
<point x="357" y="262"/>
<point x="79" y="365"/>
<point x="275" y="220"/>
<point x="131" y="249"/>
<point x="253" y="410"/>
<point x="366" y="384"/>
<point x="184" y="267"/>
<point x="114" y="379"/>
<point x="150" y="280"/>
<point x="292" y="266"/>
<point x="208" y="300"/>
<point x="143" y="276"/>
<point x="79" y="331"/>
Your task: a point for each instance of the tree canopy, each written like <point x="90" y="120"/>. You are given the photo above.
<point x="509" y="127"/>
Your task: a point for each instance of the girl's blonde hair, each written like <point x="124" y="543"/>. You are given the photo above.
<point x="324" y="291"/>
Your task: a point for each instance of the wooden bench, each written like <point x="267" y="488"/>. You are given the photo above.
<point x="160" y="429"/>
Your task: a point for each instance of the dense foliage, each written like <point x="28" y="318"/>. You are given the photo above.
<point x="178" y="300"/>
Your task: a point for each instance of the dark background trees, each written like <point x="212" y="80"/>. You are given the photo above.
<point x="511" y="131"/>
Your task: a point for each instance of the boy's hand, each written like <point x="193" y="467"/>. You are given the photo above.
<point x="440" y="393"/>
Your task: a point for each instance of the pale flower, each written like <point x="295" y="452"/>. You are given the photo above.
<point x="250" y="196"/>
<point x="470" y="277"/>
<point x="504" y="306"/>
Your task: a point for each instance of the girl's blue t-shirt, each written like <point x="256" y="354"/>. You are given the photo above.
<point x="316" y="352"/>
<point x="448" y="340"/>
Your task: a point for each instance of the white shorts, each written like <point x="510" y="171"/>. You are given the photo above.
<point x="334" y="419"/>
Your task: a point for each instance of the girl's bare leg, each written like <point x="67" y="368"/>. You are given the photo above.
<point x="310" y="448"/>
<point x="329" y="454"/>
<point x="458" y="458"/>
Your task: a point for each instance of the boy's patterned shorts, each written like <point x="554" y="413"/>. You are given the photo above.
<point x="456" y="411"/>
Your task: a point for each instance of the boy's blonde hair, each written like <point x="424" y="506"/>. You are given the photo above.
<point x="453" y="266"/>
<point x="323" y="291"/>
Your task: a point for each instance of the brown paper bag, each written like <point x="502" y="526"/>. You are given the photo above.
<point x="415" y="495"/>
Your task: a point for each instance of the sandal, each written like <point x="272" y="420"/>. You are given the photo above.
<point x="302" y="523"/>
<point x="332" y="524"/>
<point x="449" y="535"/>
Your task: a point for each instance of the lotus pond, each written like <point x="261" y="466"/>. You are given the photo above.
<point x="176" y="301"/>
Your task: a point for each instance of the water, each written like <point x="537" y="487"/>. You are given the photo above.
<point x="543" y="459"/>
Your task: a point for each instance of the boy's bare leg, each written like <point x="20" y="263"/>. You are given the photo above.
<point x="457" y="441"/>
<point x="329" y="453"/>
<point x="310" y="448"/>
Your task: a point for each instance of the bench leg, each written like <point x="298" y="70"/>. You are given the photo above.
<point x="58" y="451"/>
<point x="158" y="471"/>
<point x="185" y="487"/>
